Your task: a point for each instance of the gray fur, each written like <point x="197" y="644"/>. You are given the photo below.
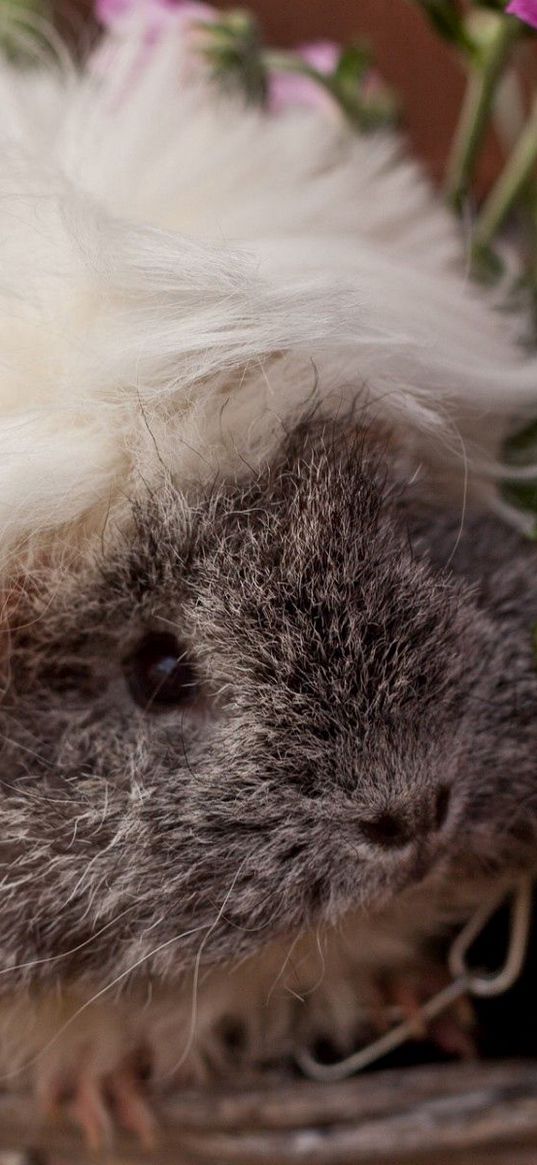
<point x="345" y="673"/>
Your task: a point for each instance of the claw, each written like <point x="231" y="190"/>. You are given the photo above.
<point x="406" y="997"/>
<point x="97" y="1102"/>
<point x="130" y="1106"/>
<point x="451" y="1031"/>
<point x="89" y="1112"/>
<point x="451" y="1037"/>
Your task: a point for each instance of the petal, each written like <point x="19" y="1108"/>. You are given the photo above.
<point x="525" y="9"/>
<point x="288" y="89"/>
<point x="155" y="13"/>
<point x="322" y="55"/>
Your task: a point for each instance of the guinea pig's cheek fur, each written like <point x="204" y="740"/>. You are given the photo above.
<point x="246" y="821"/>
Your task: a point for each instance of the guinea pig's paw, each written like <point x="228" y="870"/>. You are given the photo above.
<point x="406" y="991"/>
<point x="82" y="1100"/>
<point x="97" y="1101"/>
<point x="126" y="1089"/>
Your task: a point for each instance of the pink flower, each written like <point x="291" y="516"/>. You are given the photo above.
<point x="154" y="18"/>
<point x="322" y="55"/>
<point x="288" y="88"/>
<point x="525" y="10"/>
<point x="157" y="14"/>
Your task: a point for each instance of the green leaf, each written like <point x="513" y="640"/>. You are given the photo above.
<point x="21" y="26"/>
<point x="446" y="18"/>
<point x="234" y="48"/>
<point x="487" y="266"/>
<point x="366" y="107"/>
<point x="353" y="64"/>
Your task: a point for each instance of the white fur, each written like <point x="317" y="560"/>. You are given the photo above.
<point x="180" y="275"/>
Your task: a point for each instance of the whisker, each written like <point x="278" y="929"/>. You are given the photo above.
<point x="195" y="980"/>
<point x="24" y="748"/>
<point x="65" y="954"/>
<point x="98" y="995"/>
<point x="283" y="969"/>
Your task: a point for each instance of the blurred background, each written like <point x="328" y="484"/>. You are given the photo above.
<point x="423" y="71"/>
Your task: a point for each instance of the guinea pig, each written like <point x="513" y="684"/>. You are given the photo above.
<point x="268" y="687"/>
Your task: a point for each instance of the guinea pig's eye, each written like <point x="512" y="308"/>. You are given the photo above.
<point x="158" y="674"/>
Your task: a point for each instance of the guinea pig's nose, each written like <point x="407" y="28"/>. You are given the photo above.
<point x="395" y="828"/>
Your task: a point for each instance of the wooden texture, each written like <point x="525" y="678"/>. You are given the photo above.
<point x="437" y="1115"/>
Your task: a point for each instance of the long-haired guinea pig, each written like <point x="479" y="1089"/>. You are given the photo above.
<point x="268" y="718"/>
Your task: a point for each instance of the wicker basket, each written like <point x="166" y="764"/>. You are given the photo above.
<point x="438" y="1114"/>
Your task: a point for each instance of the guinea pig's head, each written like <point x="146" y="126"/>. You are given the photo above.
<point x="243" y="713"/>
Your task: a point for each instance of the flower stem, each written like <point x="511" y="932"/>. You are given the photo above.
<point x="514" y="177"/>
<point x="478" y="101"/>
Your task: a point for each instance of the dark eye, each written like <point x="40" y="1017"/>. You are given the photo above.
<point x="159" y="675"/>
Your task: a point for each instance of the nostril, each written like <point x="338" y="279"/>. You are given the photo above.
<point x="386" y="830"/>
<point x="441" y="808"/>
<point x="394" y="830"/>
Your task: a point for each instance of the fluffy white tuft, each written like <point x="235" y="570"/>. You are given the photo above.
<point x="180" y="276"/>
